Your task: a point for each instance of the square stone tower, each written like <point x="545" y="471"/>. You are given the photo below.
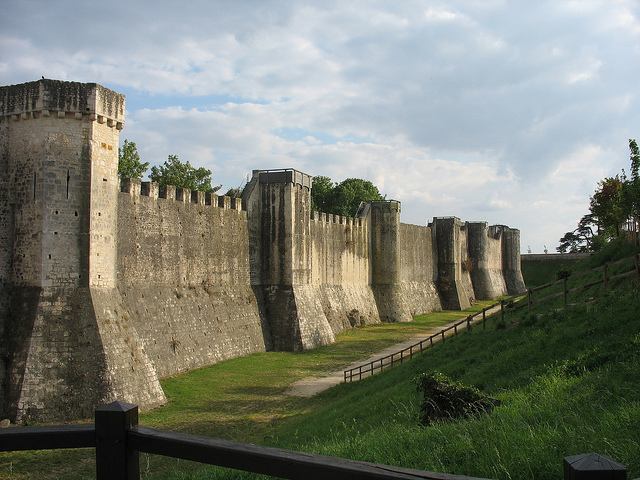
<point x="59" y="162"/>
<point x="58" y="227"/>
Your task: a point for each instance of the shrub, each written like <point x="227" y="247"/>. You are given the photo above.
<point x="444" y="399"/>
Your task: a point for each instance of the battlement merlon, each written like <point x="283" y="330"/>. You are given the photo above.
<point x="42" y="97"/>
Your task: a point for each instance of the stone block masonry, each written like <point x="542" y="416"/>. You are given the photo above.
<point x="108" y="285"/>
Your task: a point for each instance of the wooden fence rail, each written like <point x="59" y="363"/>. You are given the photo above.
<point x="378" y="365"/>
<point x="510" y="304"/>
<point x="118" y="441"/>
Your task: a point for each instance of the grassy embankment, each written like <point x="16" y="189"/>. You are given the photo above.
<point x="240" y="399"/>
<point x="569" y="382"/>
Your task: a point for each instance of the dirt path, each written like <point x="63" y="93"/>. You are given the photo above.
<point x="310" y="386"/>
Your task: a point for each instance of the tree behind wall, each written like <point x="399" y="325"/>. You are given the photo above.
<point x="631" y="188"/>
<point x="129" y="163"/>
<point x="607" y="207"/>
<point x="342" y="198"/>
<point x="183" y="175"/>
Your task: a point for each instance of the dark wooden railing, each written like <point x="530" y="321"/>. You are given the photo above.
<point x="633" y="269"/>
<point x="118" y="441"/>
<point x="507" y="305"/>
<point x="396" y="358"/>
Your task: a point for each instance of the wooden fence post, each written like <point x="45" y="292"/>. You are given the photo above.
<point x="115" y="460"/>
<point x="565" y="291"/>
<point x="593" y="465"/>
<point x="484" y="318"/>
<point x="469" y="322"/>
<point x="529" y="294"/>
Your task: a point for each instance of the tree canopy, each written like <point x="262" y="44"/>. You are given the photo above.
<point x="129" y="163"/>
<point x="615" y="200"/>
<point x="342" y="198"/>
<point x="183" y="175"/>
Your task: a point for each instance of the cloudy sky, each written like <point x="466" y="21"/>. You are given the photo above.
<point x="505" y="111"/>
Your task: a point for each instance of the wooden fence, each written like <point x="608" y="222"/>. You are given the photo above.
<point x="529" y="300"/>
<point x="118" y="440"/>
<point x="396" y="358"/>
<point x="632" y="269"/>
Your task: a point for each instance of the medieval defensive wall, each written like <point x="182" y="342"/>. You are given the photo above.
<point x="108" y="285"/>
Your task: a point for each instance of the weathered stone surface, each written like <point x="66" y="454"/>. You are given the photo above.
<point x="485" y="253"/>
<point x="108" y="285"/>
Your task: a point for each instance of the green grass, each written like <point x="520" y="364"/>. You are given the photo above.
<point x="569" y="382"/>
<point x="539" y="272"/>
<point x="542" y="271"/>
<point x="239" y="399"/>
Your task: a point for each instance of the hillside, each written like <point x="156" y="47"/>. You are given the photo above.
<point x="569" y="382"/>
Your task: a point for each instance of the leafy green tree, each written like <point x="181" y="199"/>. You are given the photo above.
<point x="184" y="175"/>
<point x="321" y="194"/>
<point x="352" y="191"/>
<point x="129" y="163"/>
<point x="581" y="239"/>
<point x="615" y="201"/>
<point x="607" y="206"/>
<point x="631" y="187"/>
<point x="342" y="198"/>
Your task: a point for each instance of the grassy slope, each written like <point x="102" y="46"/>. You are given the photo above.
<point x="239" y="399"/>
<point x="569" y="382"/>
<point x="547" y="412"/>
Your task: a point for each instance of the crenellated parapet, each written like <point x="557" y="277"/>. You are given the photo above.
<point x="330" y="218"/>
<point x="136" y="188"/>
<point x="64" y="100"/>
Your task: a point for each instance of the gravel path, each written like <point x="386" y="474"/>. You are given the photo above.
<point x="310" y="386"/>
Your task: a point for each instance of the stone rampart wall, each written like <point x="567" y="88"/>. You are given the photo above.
<point x="341" y="272"/>
<point x="106" y="286"/>
<point x="183" y="276"/>
<point x="418" y="269"/>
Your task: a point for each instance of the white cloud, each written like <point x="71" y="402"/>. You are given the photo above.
<point x="507" y="111"/>
<point x="441" y="15"/>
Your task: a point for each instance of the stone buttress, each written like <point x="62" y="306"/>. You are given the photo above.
<point x="279" y="211"/>
<point x="453" y="281"/>
<point x="511" y="261"/>
<point x="485" y="253"/>
<point x="385" y="261"/>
